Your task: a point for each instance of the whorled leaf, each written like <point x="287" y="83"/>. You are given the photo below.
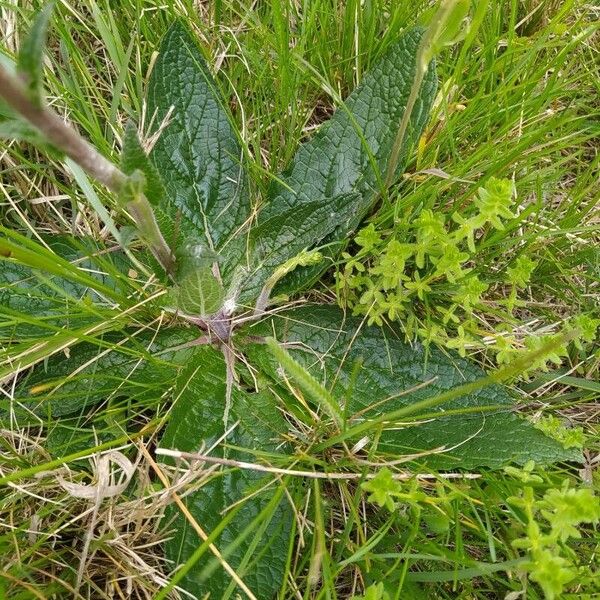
<point x="479" y="429"/>
<point x="254" y="533"/>
<point x="69" y="291"/>
<point x="323" y="195"/>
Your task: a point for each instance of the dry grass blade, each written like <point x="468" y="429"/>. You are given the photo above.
<point x="308" y="474"/>
<point x="201" y="533"/>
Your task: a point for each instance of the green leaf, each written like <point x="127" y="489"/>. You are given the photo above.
<point x="318" y="392"/>
<point x="479" y="429"/>
<point x="331" y="184"/>
<point x="287" y="234"/>
<point x="373" y="592"/>
<point x="350" y="152"/>
<point x="31" y="53"/>
<point x="67" y="436"/>
<point x="382" y="489"/>
<point x="194" y="257"/>
<point x="134" y="158"/>
<point x="34" y="302"/>
<point x="19" y="130"/>
<point x="17" y="248"/>
<point x="197" y="294"/>
<point x="126" y="364"/>
<point x="197" y="153"/>
<point x="551" y="571"/>
<point x="255" y="533"/>
<point x="33" y="305"/>
<point x="566" y="509"/>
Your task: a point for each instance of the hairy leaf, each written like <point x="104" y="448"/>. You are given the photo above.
<point x="197" y="153"/>
<point x="199" y="294"/>
<point x="393" y="374"/>
<point x="120" y="364"/>
<point x="350" y="152"/>
<point x="134" y="158"/>
<point x="255" y="538"/>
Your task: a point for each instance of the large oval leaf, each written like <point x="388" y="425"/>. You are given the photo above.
<point x="330" y="185"/>
<point x="350" y="152"/>
<point x="129" y="363"/>
<point x="256" y="536"/>
<point x="197" y="153"/>
<point x="393" y="374"/>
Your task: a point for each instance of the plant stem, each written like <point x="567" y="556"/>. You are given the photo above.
<point x="143" y="215"/>
<point x="399" y="139"/>
<point x="444" y="30"/>
<point x="63" y="137"/>
<point x="59" y="134"/>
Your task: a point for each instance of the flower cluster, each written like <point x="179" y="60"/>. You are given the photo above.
<point x="432" y="276"/>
